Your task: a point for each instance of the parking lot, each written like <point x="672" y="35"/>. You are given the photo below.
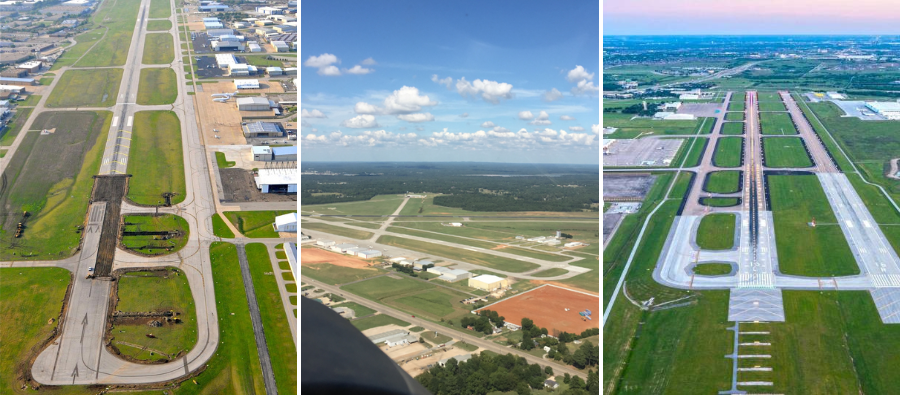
<point x="642" y="152"/>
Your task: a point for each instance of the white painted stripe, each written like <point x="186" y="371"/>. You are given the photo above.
<point x="130" y="120"/>
<point x="115" y="121"/>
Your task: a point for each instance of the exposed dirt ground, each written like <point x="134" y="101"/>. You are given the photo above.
<point x="238" y="186"/>
<point x="546" y="307"/>
<point x="317" y="255"/>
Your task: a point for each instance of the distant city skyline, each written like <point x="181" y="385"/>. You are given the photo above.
<point x="429" y="81"/>
<point x="745" y="17"/>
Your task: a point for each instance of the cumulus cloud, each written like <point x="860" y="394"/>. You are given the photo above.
<point x="406" y="100"/>
<point x="576" y="128"/>
<point x="490" y="91"/>
<point x="322" y="60"/>
<point x="361" y="121"/>
<point x="365" y="108"/>
<point x="464" y="115"/>
<point x="358" y="70"/>
<point x="315" y="130"/>
<point x="304" y="113"/>
<point x="500" y="129"/>
<point x="542" y="119"/>
<point x="552" y="95"/>
<point x="595" y="128"/>
<point x="366" y="138"/>
<point x="330" y="71"/>
<point x="421" y="117"/>
<point x="369" y="62"/>
<point x="419" y="128"/>
<point x="487" y="124"/>
<point x="567" y="118"/>
<point x="448" y="81"/>
<point x="526" y="115"/>
<point x="585" y="87"/>
<point x="578" y="74"/>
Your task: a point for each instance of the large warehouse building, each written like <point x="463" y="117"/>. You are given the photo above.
<point x="889" y="110"/>
<point x="263" y="129"/>
<point x="487" y="282"/>
<point x="246" y="84"/>
<point x="286" y="223"/>
<point x="253" y="104"/>
<point x="277" y="180"/>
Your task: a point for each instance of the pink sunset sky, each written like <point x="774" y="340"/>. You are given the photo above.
<point x="751" y="17"/>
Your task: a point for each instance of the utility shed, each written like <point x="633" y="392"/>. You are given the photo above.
<point x="253" y="104"/>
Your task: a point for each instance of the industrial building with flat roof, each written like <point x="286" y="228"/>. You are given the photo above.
<point x="220" y="32"/>
<point x="239" y="69"/>
<point x="448" y="274"/>
<point x="263" y="129"/>
<point x="889" y="110"/>
<point x="32" y="67"/>
<point x="277" y="180"/>
<point x="246" y="84"/>
<point x="253" y="104"/>
<point x="224" y="60"/>
<point x="277" y="154"/>
<point x="368" y="254"/>
<point x="286" y="223"/>
<point x="17" y="81"/>
<point x="488" y="282"/>
<point x="227" y="46"/>
<point x="280" y="46"/>
<point x="274" y="71"/>
<point x="458" y="358"/>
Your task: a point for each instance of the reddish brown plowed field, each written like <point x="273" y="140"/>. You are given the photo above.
<point x="317" y="255"/>
<point x="546" y="307"/>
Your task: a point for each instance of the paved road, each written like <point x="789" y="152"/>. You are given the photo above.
<point x="265" y="361"/>
<point x="484" y="344"/>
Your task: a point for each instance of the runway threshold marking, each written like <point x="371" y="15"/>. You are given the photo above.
<point x="130" y="121"/>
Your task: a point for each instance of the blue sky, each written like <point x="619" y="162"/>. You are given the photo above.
<point x="450" y="81"/>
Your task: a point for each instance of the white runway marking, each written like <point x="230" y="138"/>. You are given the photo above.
<point x="115" y="121"/>
<point x="130" y="120"/>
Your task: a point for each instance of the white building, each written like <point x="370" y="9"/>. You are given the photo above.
<point x="369" y="254"/>
<point x="239" y="69"/>
<point x="835" y="96"/>
<point x="456" y="224"/>
<point x="458" y="358"/>
<point x="281" y="46"/>
<point x="574" y="244"/>
<point x="254" y="47"/>
<point x="290" y="250"/>
<point x="404" y="262"/>
<point x="455" y="275"/>
<point x="224" y="60"/>
<point x="670" y="106"/>
<point x="253" y="104"/>
<point x="343" y="247"/>
<point x="352" y="251"/>
<point x="889" y="110"/>
<point x="689" y="96"/>
<point x="274" y="70"/>
<point x="286" y="223"/>
<point x="324" y="243"/>
<point x="246" y="84"/>
<point x="277" y="180"/>
<point x="397" y="259"/>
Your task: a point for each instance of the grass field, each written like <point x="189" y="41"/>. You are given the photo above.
<point x="734" y="116"/>
<point x="426" y="206"/>
<point x="160" y="9"/>
<point x="785" y="152"/>
<point x="157" y="86"/>
<point x="474" y="257"/>
<point x="51" y="177"/>
<point x="357" y="308"/>
<point x="149" y="244"/>
<point x="73" y="53"/>
<point x="282" y="350"/>
<point x="378" y="205"/>
<point x="376" y="321"/>
<point x="255" y="224"/>
<point x="716" y="232"/>
<point x="416" y="297"/>
<point x="221" y="162"/>
<point x="260" y="60"/>
<point x="720" y="201"/>
<point x="220" y="229"/>
<point x="120" y="18"/>
<point x="331" y="274"/>
<point x="723" y="181"/>
<point x="155" y="26"/>
<point x="729" y="152"/>
<point x="713" y="269"/>
<point x="234" y="369"/>
<point x="772" y="106"/>
<point x="15" y="124"/>
<point x="338" y="230"/>
<point x="803" y="250"/>
<point x="28" y="299"/>
<point x="733" y="128"/>
<point x="475" y="243"/>
<point x="694" y="156"/>
<point x="776" y="123"/>
<point x="86" y="88"/>
<point x="736" y="105"/>
<point x="31" y="101"/>
<point x="156" y="161"/>
<point x="157" y="292"/>
<point x="46" y="81"/>
<point x="159" y="48"/>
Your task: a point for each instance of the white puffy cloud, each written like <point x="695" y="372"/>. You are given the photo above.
<point x="491" y="91"/>
<point x="330" y="71"/>
<point x="366" y="108"/>
<point x="322" y="60"/>
<point x="503" y="138"/>
<point x="304" y="113"/>
<point x="464" y="115"/>
<point x="361" y="121"/>
<point x="448" y="81"/>
<point x="552" y="95"/>
<point x="500" y="129"/>
<point x="585" y="87"/>
<point x="420" y="117"/>
<point x="406" y="100"/>
<point x="315" y="130"/>
<point x="358" y="70"/>
<point x="566" y="118"/>
<point x="578" y="74"/>
<point x="595" y="128"/>
<point x="369" y="62"/>
<point x="487" y="124"/>
<point x="542" y="119"/>
<point x="366" y="138"/>
<point x="526" y="115"/>
<point x="576" y="128"/>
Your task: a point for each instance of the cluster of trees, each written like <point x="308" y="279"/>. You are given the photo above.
<point x="530" y="331"/>
<point x="485" y="373"/>
<point x="585" y="355"/>
<point x="404" y="269"/>
<point x="636" y="109"/>
<point x="484" y="322"/>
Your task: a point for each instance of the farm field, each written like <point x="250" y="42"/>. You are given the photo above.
<point x="785" y="152"/>
<point x="50" y="176"/>
<point x="474" y="257"/>
<point x="337" y="230"/>
<point x="153" y="244"/>
<point x="86" y="88"/>
<point x="733" y="128"/>
<point x="119" y="18"/>
<point x="156" y="162"/>
<point x="280" y="342"/>
<point x="255" y="224"/>
<point x="716" y="232"/>
<point x="159" y="48"/>
<point x="157" y="86"/>
<point x="723" y="181"/>
<point x="820" y="251"/>
<point x="777" y="124"/>
<point x="155" y="291"/>
<point x="729" y="152"/>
